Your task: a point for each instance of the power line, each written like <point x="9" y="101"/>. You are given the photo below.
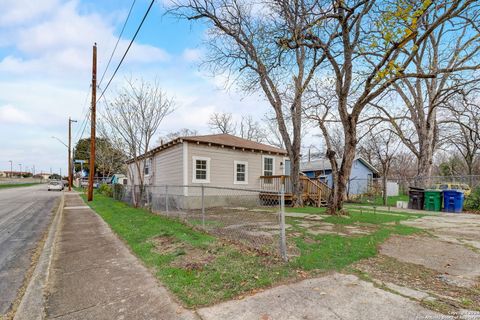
<point x="85" y="125"/>
<point x="128" y="48"/>
<point x="118" y="40"/>
<point x="84" y="112"/>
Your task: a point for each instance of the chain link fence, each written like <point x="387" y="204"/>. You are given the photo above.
<point x="400" y="186"/>
<point x="248" y="217"/>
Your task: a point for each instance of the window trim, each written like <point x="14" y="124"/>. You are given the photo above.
<point x="263" y="164"/>
<point x="194" y="170"/>
<point x="235" y="163"/>
<point x="147" y="165"/>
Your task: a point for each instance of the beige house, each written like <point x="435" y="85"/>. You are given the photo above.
<point x="219" y="160"/>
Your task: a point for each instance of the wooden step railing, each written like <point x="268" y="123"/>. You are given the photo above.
<point x="315" y="191"/>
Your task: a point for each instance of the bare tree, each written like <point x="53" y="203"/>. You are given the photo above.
<point x="381" y="146"/>
<point x="465" y="137"/>
<point x="451" y="52"/>
<point x="222" y="122"/>
<point x="369" y="45"/>
<point x="184" y="132"/>
<point x="251" y="129"/>
<point x="135" y="115"/>
<point x="244" y="44"/>
<point x="247" y="128"/>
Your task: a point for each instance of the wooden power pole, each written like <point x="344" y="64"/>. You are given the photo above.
<point x="91" y="173"/>
<point x="70" y="175"/>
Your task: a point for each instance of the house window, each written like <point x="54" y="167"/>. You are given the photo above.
<point x="240" y="172"/>
<point x="201" y="170"/>
<point x="268" y="168"/>
<point x="147" y="168"/>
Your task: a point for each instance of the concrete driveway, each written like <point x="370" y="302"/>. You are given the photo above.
<point x="452" y="227"/>
<point x="25" y="214"/>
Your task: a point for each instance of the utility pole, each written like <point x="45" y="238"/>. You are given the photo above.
<point x="91" y="173"/>
<point x="70" y="176"/>
<point x="11" y="168"/>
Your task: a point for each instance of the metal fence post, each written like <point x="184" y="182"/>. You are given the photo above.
<point x="283" y="240"/>
<point x="203" y="206"/>
<point x="166" y="198"/>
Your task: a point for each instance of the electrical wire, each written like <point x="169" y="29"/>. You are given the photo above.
<point x="85" y="125"/>
<point x="84" y="113"/>
<point x="118" y="40"/>
<point x="128" y="48"/>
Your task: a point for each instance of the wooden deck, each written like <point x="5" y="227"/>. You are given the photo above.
<point x="314" y="192"/>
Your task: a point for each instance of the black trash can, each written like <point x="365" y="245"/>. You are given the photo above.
<point x="416" y="198"/>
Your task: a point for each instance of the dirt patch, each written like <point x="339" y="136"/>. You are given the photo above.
<point x="338" y="229"/>
<point x="448" y="296"/>
<point x="458" y="264"/>
<point x="186" y="256"/>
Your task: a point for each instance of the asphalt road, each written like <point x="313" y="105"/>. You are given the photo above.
<point x="25" y="214"/>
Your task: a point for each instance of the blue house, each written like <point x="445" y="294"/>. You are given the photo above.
<point x="361" y="177"/>
<point x="119" y="178"/>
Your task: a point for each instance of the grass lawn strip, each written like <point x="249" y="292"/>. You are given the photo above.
<point x="201" y="269"/>
<point x="378" y="200"/>
<point x="229" y="272"/>
<point x="18" y="185"/>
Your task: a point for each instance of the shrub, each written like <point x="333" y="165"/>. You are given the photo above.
<point x="472" y="202"/>
<point x="106" y="190"/>
<point x="118" y="190"/>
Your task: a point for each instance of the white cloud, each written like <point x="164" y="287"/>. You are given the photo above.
<point x="192" y="55"/>
<point x="62" y="42"/>
<point x="11" y="115"/>
<point x="15" y="12"/>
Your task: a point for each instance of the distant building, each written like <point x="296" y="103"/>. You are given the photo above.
<point x="119" y="178"/>
<point x="361" y="177"/>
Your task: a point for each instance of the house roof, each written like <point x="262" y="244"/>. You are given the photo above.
<point x="324" y="164"/>
<point x="221" y="140"/>
<point x="234" y="141"/>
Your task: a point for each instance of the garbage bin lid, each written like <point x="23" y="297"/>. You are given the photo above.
<point x="417" y="188"/>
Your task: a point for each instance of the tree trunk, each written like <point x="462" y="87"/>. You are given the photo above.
<point x="343" y="173"/>
<point x="384" y="187"/>
<point x="424" y="167"/>
<point x="296" y="184"/>
<point x="425" y="155"/>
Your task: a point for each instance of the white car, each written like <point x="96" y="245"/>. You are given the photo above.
<point x="55" y="185"/>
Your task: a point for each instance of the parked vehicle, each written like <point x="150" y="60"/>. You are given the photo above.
<point x="55" y="185"/>
<point x="465" y="188"/>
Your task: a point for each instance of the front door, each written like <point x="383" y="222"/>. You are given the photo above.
<point x="287" y="167"/>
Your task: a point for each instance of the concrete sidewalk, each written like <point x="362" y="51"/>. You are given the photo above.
<point x="94" y="276"/>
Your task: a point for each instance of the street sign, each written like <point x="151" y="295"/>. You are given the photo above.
<point x="81" y="161"/>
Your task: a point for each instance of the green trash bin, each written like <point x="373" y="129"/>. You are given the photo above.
<point x="433" y="200"/>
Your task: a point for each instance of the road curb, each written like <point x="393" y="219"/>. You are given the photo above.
<point x="32" y="305"/>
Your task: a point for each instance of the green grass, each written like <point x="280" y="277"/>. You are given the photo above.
<point x="230" y="274"/>
<point x="335" y="252"/>
<point x="378" y="200"/>
<point x="17" y="185"/>
<point x="234" y="271"/>
<point x="366" y="217"/>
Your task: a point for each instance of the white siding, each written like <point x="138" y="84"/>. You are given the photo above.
<point x="168" y="166"/>
<point x="222" y="165"/>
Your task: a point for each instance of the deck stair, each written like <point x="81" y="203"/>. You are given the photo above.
<point x="314" y="192"/>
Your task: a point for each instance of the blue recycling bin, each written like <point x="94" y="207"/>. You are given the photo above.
<point x="453" y="201"/>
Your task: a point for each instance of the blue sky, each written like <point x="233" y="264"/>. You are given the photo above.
<point x="45" y="65"/>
